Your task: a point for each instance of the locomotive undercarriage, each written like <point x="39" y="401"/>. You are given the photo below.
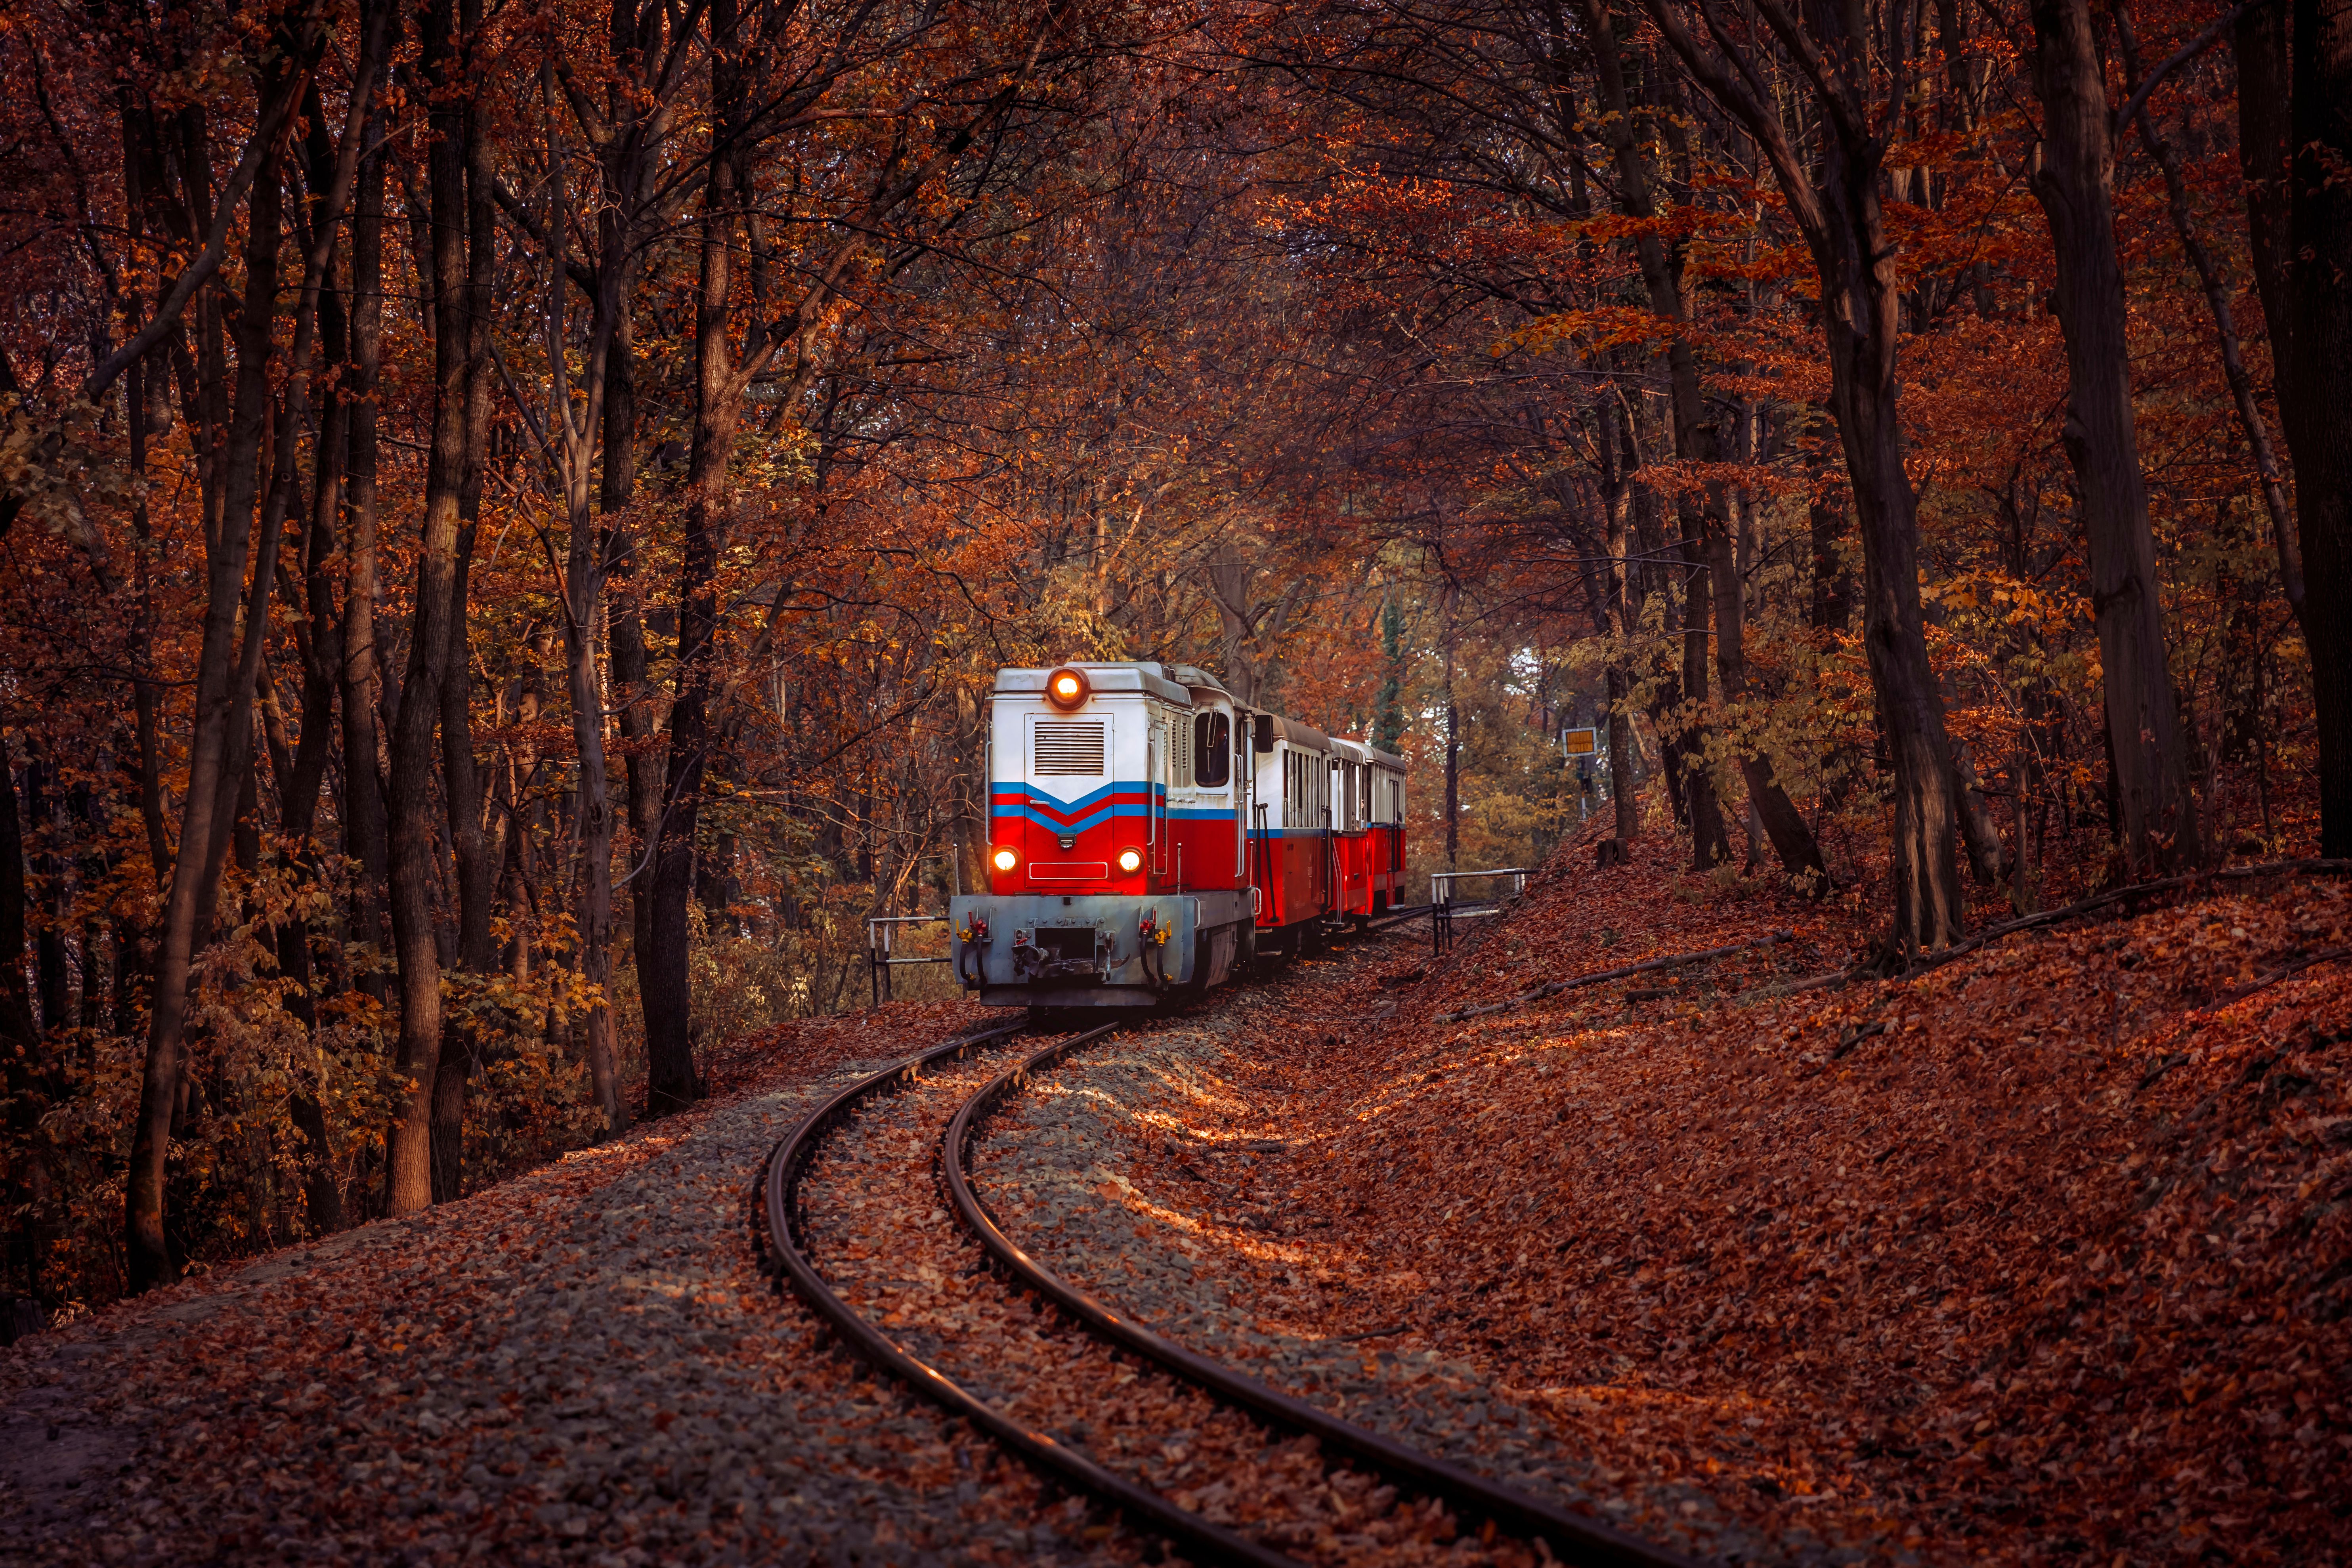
<point x="1080" y="949"/>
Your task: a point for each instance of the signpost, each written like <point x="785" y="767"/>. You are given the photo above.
<point x="1580" y="742"/>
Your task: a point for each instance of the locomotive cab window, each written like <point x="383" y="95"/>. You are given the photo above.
<point x="1212" y="751"/>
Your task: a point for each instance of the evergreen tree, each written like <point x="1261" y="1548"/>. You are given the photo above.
<point x="1389" y="727"/>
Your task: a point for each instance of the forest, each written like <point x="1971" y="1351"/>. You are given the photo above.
<point x="511" y="509"/>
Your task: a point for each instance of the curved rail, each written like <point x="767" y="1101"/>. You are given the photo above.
<point x="786" y="1224"/>
<point x="1572" y="1537"/>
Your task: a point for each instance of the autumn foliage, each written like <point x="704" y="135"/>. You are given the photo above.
<point x="510" y="510"/>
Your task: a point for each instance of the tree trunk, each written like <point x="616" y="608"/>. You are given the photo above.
<point x="1710" y="842"/>
<point x="1615" y="502"/>
<point x="23" y="1067"/>
<point x="362" y="817"/>
<point x="672" y="1081"/>
<point x="1782" y="823"/>
<point x="2216" y="287"/>
<point x="584" y="586"/>
<point x="50" y="987"/>
<point x="222" y="715"/>
<point x="1832" y="601"/>
<point x="412" y="831"/>
<point x="1834" y="194"/>
<point x="1694" y="436"/>
<point x="633" y="691"/>
<point x="2076" y="186"/>
<point x="2315" y="366"/>
<point x="464" y="790"/>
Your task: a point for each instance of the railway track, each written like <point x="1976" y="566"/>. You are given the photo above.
<point x="919" y="1278"/>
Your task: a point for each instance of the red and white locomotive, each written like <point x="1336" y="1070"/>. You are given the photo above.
<point x="1147" y="834"/>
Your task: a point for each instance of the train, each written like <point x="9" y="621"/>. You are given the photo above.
<point x="1150" y="836"/>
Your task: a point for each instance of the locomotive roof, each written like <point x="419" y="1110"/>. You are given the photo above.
<point x="1151" y="678"/>
<point x="1178" y="683"/>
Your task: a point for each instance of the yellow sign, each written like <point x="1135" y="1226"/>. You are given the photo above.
<point x="1580" y="742"/>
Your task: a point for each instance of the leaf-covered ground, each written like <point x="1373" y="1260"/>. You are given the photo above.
<point x="582" y="1365"/>
<point x="2043" y="1256"/>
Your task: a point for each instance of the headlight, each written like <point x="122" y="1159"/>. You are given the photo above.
<point x="1005" y="859"/>
<point x="1067" y="688"/>
<point x="1130" y="859"/>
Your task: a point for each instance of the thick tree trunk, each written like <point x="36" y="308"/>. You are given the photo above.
<point x="1834" y="194"/>
<point x="413" y="829"/>
<point x="672" y="1081"/>
<point x="1911" y="709"/>
<point x="2076" y="186"/>
<point x="2265" y="113"/>
<point x="2314" y="375"/>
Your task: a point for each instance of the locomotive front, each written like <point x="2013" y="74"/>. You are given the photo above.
<point x="1116" y="871"/>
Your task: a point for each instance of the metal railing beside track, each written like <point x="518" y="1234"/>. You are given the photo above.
<point x="879" y="957"/>
<point x="1445" y="909"/>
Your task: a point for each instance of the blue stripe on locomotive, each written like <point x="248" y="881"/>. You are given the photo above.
<point x="1121" y="798"/>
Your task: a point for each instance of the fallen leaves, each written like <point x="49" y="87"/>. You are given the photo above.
<point x="2039" y="1254"/>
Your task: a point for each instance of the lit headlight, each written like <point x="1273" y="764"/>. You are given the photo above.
<point x="1130" y="859"/>
<point x="1067" y="688"/>
<point x="1005" y="859"/>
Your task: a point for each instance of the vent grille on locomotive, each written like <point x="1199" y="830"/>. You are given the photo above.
<point x="1067" y="749"/>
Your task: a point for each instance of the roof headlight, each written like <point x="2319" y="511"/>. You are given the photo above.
<point x="1005" y="859"/>
<point x="1130" y="859"/>
<point x="1067" y="688"/>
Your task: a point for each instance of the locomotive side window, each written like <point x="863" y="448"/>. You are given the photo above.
<point x="1212" y="751"/>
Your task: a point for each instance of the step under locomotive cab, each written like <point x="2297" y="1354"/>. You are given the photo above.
<point x="1146" y="833"/>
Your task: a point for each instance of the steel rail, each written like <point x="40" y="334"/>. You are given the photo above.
<point x="1571" y="1536"/>
<point x="787" y="1226"/>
